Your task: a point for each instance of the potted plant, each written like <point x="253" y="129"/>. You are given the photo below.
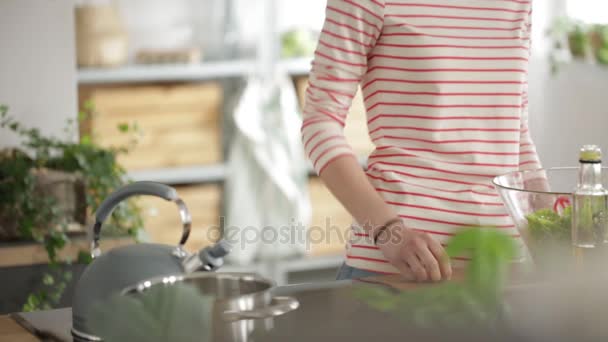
<point x="577" y="40"/>
<point x="49" y="188"/>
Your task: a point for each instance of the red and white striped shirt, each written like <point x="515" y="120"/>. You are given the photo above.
<point x="445" y="89"/>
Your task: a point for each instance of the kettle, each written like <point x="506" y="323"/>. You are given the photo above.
<point x="121" y="267"/>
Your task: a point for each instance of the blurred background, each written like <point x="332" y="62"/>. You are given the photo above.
<point x="168" y="80"/>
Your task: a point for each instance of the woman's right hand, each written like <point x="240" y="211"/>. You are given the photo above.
<point x="415" y="254"/>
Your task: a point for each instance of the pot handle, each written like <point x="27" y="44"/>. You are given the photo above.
<point x="278" y="306"/>
<point x="134" y="189"/>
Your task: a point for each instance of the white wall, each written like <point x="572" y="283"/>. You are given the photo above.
<point x="572" y="110"/>
<point x="37" y="64"/>
<point x="569" y="109"/>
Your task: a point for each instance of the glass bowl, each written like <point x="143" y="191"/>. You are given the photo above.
<point x="539" y="202"/>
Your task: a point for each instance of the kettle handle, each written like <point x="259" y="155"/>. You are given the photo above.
<point x="135" y="189"/>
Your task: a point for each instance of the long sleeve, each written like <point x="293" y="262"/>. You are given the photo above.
<point x="349" y="33"/>
<point x="528" y="156"/>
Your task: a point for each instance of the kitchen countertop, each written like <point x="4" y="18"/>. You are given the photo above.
<point x="328" y="311"/>
<point x="11" y="330"/>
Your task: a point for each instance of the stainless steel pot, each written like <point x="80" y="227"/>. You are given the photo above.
<point x="239" y="303"/>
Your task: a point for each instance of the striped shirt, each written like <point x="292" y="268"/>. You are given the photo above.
<point x="445" y="90"/>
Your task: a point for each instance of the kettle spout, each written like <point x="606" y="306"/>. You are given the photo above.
<point x="207" y="259"/>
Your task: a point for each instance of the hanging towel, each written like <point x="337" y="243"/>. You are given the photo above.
<point x="268" y="205"/>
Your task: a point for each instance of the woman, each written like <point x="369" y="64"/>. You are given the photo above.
<point x="445" y="88"/>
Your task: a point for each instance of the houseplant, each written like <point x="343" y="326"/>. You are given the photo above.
<point x="573" y="39"/>
<point x="33" y="207"/>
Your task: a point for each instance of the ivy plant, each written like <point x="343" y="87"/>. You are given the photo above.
<point x="40" y="218"/>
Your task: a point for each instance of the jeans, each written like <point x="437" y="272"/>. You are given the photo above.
<point x="348" y="272"/>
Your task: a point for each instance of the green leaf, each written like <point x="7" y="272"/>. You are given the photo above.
<point x="86" y="140"/>
<point x="123" y="127"/>
<point x="89" y="105"/>
<point x="48" y="280"/>
<point x="84" y="257"/>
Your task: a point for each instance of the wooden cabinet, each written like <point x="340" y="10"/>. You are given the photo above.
<point x="180" y="123"/>
<point x="162" y="222"/>
<point x="330" y="221"/>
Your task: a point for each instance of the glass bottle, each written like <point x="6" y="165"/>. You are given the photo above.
<point x="590" y="208"/>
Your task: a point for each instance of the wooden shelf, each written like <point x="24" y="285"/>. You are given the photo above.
<point x="182" y="175"/>
<point x="184" y="72"/>
<point x="161" y="72"/>
<point x="23" y="254"/>
<point x="296" y="66"/>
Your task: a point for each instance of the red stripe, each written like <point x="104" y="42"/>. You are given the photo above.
<point x="335" y="35"/>
<point x="456" y="212"/>
<point x="418" y="58"/>
<point x="438" y="197"/>
<point x="411" y="128"/>
<point x="378" y="3"/>
<point x="352" y="28"/>
<point x="429" y="93"/>
<point x="311" y="137"/>
<point x="451" y="234"/>
<point x="446" y="180"/>
<point x="329" y="115"/>
<point x="528" y="162"/>
<point x="365" y="247"/>
<point x="361" y="234"/>
<point x="367" y="259"/>
<point x="449" y="223"/>
<point x="382" y="67"/>
<point x="428" y="117"/>
<point x="334" y="158"/>
<point x="428" y="105"/>
<point x="331" y="78"/>
<point x="381" y="148"/>
<point x="311" y="85"/>
<point x="324" y="140"/>
<point x="431" y="188"/>
<point x="458" y="7"/>
<point x="411" y="34"/>
<point x="318" y="53"/>
<point x="424" y="46"/>
<point x="334" y="47"/>
<point x="397" y="80"/>
<point x="327" y="151"/>
<point x="380" y="156"/>
<point x="454" y="27"/>
<point x="344" y="13"/>
<point x="365" y="9"/>
<point x="454" y="17"/>
<point x="465" y="141"/>
<point x="432" y="169"/>
<point x="310" y="121"/>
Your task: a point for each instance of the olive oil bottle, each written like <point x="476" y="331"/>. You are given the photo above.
<point x="590" y="209"/>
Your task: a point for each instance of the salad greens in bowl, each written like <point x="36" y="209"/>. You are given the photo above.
<point x="540" y="204"/>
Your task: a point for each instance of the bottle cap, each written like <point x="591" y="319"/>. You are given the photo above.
<point x="590" y="154"/>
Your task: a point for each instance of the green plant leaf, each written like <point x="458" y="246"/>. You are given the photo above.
<point x="123" y="127"/>
<point x="40" y="218"/>
<point x="89" y="105"/>
<point x="48" y="280"/>
<point x="84" y="257"/>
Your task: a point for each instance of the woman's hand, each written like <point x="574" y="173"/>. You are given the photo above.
<point x="416" y="255"/>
